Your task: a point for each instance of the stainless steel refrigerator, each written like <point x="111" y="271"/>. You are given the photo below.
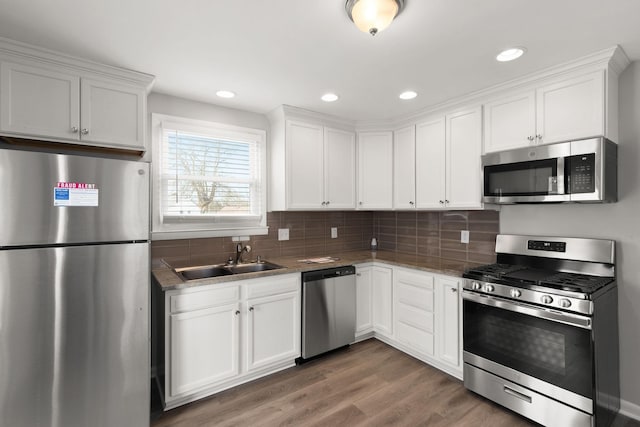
<point x="74" y="291"/>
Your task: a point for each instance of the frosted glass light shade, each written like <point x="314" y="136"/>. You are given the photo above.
<point x="373" y="16"/>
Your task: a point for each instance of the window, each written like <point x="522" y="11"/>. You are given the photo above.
<point x="209" y="178"/>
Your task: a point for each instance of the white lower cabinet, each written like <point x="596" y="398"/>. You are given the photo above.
<point x="223" y="335"/>
<point x="204" y="347"/>
<point x="364" y="317"/>
<point x="427" y="318"/>
<point x="382" y="300"/>
<point x="413" y="309"/>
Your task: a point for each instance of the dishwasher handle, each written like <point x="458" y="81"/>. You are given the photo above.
<point x="328" y="273"/>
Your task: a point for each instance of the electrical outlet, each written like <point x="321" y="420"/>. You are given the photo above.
<point x="334" y="232"/>
<point x="464" y="236"/>
<point x="283" y="234"/>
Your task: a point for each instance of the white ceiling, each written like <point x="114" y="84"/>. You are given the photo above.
<point x="273" y="52"/>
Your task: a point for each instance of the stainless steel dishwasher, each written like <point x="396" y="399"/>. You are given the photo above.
<point x="328" y="310"/>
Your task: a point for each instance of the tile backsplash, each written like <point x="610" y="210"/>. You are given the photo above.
<point x="423" y="234"/>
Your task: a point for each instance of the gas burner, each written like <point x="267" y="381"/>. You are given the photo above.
<point x="576" y="282"/>
<point x="494" y="270"/>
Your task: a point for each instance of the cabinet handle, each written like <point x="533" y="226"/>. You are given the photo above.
<point x="411" y="203"/>
<point x="328" y="203"/>
<point x="358" y="274"/>
<point x="324" y="203"/>
<point x="359" y="203"/>
<point x="250" y="308"/>
<point x="442" y="202"/>
<point x="74" y="129"/>
<point x="530" y="138"/>
<point x="237" y="312"/>
<point x="446" y="201"/>
<point x="454" y="290"/>
<point x="539" y="137"/>
<point x="85" y="131"/>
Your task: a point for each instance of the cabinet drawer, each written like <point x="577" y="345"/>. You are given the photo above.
<point x="204" y="299"/>
<point x="416" y="296"/>
<point x="272" y="286"/>
<point x="416" y="338"/>
<point x="416" y="318"/>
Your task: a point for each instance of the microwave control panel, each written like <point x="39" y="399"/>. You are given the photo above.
<point x="582" y="173"/>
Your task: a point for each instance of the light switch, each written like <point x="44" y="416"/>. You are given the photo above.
<point x="283" y="234"/>
<point x="334" y="232"/>
<point x="464" y="236"/>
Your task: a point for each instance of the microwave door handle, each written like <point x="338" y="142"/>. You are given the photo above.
<point x="560" y="176"/>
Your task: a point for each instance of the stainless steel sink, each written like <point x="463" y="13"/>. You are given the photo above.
<point x="217" y="270"/>
<point x="254" y="267"/>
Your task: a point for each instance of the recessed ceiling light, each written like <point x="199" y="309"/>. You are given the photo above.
<point x="408" y="95"/>
<point x="225" y="94"/>
<point x="329" y="97"/>
<point x="510" y="54"/>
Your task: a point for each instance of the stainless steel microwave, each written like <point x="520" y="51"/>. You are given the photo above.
<point x="574" y="171"/>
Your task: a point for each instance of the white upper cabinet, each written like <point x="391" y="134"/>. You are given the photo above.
<point x="48" y="96"/>
<point x="448" y="153"/>
<point x="571" y="108"/>
<point x="430" y="163"/>
<point x="304" y="165"/>
<point x="510" y="122"/>
<point x="404" y="168"/>
<point x="112" y="113"/>
<point x="464" y="148"/>
<point x="339" y="169"/>
<point x="313" y="166"/>
<point x="39" y="101"/>
<point x="375" y="170"/>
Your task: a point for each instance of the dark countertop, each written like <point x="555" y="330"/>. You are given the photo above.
<point x="168" y="280"/>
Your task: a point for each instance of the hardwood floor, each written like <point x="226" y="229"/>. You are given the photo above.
<point x="369" y="384"/>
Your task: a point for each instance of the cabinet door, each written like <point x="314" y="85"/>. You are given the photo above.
<point x="304" y="152"/>
<point x="404" y="168"/>
<point x="430" y="164"/>
<point x="39" y="101"/>
<point x="204" y="348"/>
<point x="464" y="146"/>
<point x="375" y="170"/>
<point x="382" y="293"/>
<point x="573" y="108"/>
<point x="273" y="330"/>
<point x="449" y="321"/>
<point x="364" y="321"/>
<point x="413" y="308"/>
<point x="339" y="169"/>
<point x="510" y="122"/>
<point x="112" y="114"/>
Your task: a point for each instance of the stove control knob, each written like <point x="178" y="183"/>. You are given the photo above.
<point x="489" y="288"/>
<point x="546" y="299"/>
<point x="475" y="285"/>
<point x="515" y="293"/>
<point x="564" y="303"/>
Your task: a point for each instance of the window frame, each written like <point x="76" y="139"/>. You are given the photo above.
<point x="197" y="227"/>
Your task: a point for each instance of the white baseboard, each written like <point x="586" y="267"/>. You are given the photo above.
<point x="629" y="409"/>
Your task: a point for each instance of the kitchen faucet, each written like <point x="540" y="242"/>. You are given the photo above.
<point x="240" y="249"/>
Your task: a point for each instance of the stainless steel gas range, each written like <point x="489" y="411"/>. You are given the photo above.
<point x="541" y="329"/>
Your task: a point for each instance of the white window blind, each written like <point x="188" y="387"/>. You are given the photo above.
<point x="209" y="177"/>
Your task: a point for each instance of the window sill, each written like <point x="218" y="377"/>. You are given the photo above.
<point x="199" y="234"/>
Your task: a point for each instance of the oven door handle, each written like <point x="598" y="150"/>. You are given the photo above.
<point x="528" y="309"/>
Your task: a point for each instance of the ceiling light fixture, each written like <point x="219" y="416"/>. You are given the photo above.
<point x="373" y="16"/>
<point x="329" y="97"/>
<point x="510" y="54"/>
<point x="225" y="94"/>
<point x="408" y="95"/>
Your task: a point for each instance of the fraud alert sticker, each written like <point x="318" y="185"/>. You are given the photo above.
<point x="75" y="194"/>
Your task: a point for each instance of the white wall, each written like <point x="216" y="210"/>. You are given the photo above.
<point x="618" y="221"/>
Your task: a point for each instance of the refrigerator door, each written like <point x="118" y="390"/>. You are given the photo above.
<point x="59" y="199"/>
<point x="74" y="336"/>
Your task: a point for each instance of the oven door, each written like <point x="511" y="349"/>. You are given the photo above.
<point x="552" y="349"/>
<point x="535" y="174"/>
